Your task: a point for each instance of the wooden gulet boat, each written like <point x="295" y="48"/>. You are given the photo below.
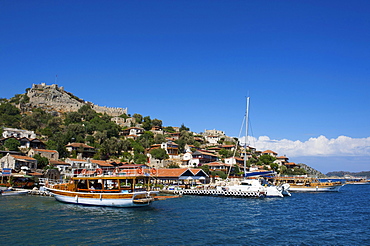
<point x="125" y="188"/>
<point x="299" y="184"/>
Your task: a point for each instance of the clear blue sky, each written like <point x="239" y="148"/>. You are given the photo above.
<point x="305" y="64"/>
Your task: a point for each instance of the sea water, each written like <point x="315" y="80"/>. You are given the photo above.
<point x="338" y="218"/>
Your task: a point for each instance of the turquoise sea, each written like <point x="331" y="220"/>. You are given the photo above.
<point x="341" y="218"/>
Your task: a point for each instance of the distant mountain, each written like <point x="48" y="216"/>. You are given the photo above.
<point x="344" y="173"/>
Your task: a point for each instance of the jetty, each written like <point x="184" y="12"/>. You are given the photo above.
<point x="215" y="192"/>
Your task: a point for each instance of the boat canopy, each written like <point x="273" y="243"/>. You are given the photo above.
<point x="253" y="174"/>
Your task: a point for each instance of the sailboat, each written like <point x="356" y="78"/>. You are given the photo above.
<point x="254" y="181"/>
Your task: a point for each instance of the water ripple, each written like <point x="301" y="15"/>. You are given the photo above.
<point x="303" y="219"/>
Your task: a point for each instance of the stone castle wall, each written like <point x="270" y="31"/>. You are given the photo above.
<point x="53" y="98"/>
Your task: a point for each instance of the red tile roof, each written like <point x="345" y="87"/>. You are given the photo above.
<point x="23" y="157"/>
<point x="282" y="157"/>
<point x="171" y="172"/>
<point x="53" y="162"/>
<point x="79" y="160"/>
<point x="78" y="145"/>
<point x="46" y="150"/>
<point x="101" y="163"/>
<point x="269" y="152"/>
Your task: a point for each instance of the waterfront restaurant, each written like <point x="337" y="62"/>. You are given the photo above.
<point x="181" y="176"/>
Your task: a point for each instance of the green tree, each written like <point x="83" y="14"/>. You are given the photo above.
<point x="87" y="112"/>
<point x="111" y="147"/>
<point x="205" y="168"/>
<point x="156" y="122"/>
<point x="12" y="144"/>
<point x="267" y="159"/>
<point x="127" y="157"/>
<point x="235" y="170"/>
<point x="75" y="133"/>
<point x="58" y="142"/>
<point x="184" y="139"/>
<point x="125" y="116"/>
<point x="138" y="118"/>
<point x="169" y="129"/>
<point x="275" y="167"/>
<point x="226" y="153"/>
<point x="146" y="139"/>
<point x="140" y="158"/>
<point x="42" y="162"/>
<point x="220" y="174"/>
<point x="147" y="124"/>
<point x="184" y="128"/>
<point x="72" y="118"/>
<point x="159" y="154"/>
<point x="138" y="148"/>
<point x="9" y="115"/>
<point x="159" y="138"/>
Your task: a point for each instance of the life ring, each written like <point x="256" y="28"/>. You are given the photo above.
<point x="116" y="171"/>
<point x="154" y="171"/>
<point x="99" y="171"/>
<point x="84" y="171"/>
<point x="139" y="170"/>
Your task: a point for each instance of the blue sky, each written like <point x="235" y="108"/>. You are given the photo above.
<point x="305" y="65"/>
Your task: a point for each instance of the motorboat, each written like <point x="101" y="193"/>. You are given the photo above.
<point x="13" y="192"/>
<point x="258" y="186"/>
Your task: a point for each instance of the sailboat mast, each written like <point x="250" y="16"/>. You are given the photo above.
<point x="246" y="136"/>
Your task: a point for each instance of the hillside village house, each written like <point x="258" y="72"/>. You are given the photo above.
<point x="201" y="157"/>
<point x="83" y="150"/>
<point x="174" y="135"/>
<point x="26" y="143"/>
<point x="212" y="139"/>
<point x="185" y="161"/>
<point x="18" y="133"/>
<point x="63" y="167"/>
<point x="234" y="160"/>
<point x="16" y="162"/>
<point x="50" y="154"/>
<point x="291" y="165"/>
<point x="219" y="166"/>
<point x="269" y="152"/>
<point x="133" y="132"/>
<point x="281" y="160"/>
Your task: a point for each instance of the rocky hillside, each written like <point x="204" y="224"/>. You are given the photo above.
<point x="311" y="171"/>
<point x="54" y="99"/>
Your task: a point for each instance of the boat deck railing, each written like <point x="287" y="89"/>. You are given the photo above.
<point x="148" y="172"/>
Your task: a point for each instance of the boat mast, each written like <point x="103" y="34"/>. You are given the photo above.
<point x="246" y="136"/>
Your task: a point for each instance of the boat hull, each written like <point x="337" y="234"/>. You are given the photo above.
<point x="13" y="193"/>
<point x="137" y="199"/>
<point x="334" y="188"/>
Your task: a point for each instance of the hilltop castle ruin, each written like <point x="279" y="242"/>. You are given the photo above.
<point x="53" y="98"/>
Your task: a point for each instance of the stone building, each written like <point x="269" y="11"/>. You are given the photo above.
<point x="50" y="154"/>
<point x="16" y="162"/>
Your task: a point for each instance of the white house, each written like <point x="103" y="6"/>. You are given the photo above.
<point x="18" y="133"/>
